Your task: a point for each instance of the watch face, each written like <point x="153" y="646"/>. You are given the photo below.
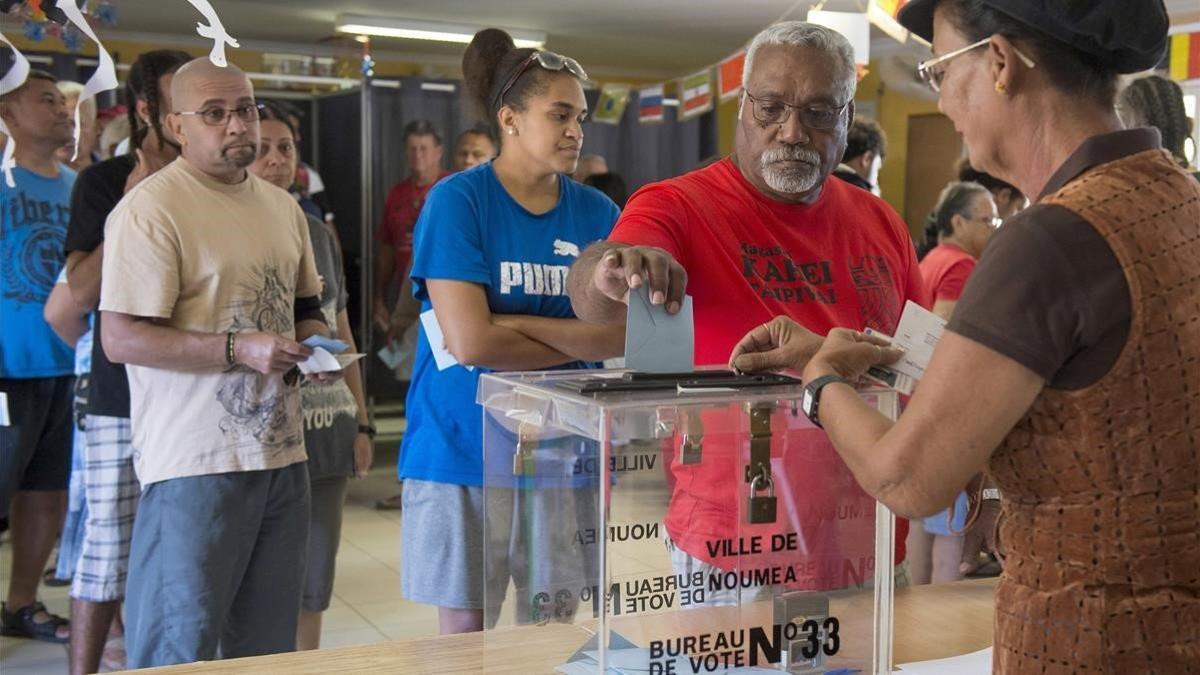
<point x="806" y="402"/>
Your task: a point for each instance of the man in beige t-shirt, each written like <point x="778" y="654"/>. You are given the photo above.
<point x="208" y="283"/>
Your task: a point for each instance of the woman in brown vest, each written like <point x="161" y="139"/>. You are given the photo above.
<point x="1071" y="367"/>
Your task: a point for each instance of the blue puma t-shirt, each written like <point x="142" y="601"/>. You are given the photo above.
<point x="33" y="229"/>
<point x="471" y="230"/>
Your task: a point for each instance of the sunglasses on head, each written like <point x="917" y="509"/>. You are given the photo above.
<point x="547" y="60"/>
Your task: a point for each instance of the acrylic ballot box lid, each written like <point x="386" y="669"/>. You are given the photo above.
<point x="702" y="525"/>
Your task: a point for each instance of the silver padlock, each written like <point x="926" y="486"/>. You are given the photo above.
<point x="762" y="509"/>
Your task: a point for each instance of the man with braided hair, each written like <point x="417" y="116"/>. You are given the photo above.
<point x="112" y="493"/>
<point x="1155" y="101"/>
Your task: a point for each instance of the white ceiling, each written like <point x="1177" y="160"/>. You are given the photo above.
<point x="649" y="38"/>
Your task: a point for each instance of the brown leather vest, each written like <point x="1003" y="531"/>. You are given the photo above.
<point x="1101" y="516"/>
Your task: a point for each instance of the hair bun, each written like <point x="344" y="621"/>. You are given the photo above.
<point x="481" y="62"/>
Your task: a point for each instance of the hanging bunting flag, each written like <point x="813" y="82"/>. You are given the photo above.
<point x="611" y="105"/>
<point x="729" y="75"/>
<point x="14" y="78"/>
<point x="1185" y="56"/>
<point x="883" y="13"/>
<point x="650" y="104"/>
<point x="695" y="94"/>
<point x="215" y="31"/>
<point x="105" y="76"/>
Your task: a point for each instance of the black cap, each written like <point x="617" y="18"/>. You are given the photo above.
<point x="1125" y="35"/>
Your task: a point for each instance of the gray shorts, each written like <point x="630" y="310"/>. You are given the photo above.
<point x="324" y="533"/>
<point x="531" y="540"/>
<point x="217" y="561"/>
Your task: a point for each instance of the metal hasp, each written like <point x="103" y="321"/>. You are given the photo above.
<point x="760" y="440"/>
<point x="761" y="508"/>
<point x="692" y="446"/>
<point x="527" y="442"/>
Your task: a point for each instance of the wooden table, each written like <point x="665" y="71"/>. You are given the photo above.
<point x="930" y="622"/>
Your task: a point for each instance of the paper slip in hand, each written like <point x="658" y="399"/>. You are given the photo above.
<point x="391" y="356"/>
<point x="657" y="342"/>
<point x="918" y="334"/>
<point x="328" y="344"/>
<point x="437" y="342"/>
<point x="322" y="361"/>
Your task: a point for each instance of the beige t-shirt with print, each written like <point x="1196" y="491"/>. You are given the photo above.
<point x="206" y="256"/>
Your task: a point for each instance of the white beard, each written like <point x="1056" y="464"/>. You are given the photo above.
<point x="791" y="179"/>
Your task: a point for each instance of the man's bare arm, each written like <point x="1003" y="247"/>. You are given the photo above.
<point x="83" y="276"/>
<point x="145" y="341"/>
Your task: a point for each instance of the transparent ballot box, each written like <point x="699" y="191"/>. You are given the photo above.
<point x="692" y="523"/>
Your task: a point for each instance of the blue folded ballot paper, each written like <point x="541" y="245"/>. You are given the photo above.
<point x="328" y="344"/>
<point x="658" y="342"/>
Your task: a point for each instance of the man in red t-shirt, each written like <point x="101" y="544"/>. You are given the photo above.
<point x="760" y="234"/>
<point x="423" y="148"/>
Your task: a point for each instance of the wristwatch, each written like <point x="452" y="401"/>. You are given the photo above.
<point x="991" y="494"/>
<point x="368" y="429"/>
<point x="810" y="401"/>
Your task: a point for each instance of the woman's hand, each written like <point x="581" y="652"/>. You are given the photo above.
<point x="780" y="344"/>
<point x="364" y="454"/>
<point x="848" y="354"/>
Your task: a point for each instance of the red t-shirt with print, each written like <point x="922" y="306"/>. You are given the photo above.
<point x="400" y="212"/>
<point x="845" y="260"/>
<point x="945" y="270"/>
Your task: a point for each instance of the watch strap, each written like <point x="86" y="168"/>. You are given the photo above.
<point x="812" y="397"/>
<point x="368" y="429"/>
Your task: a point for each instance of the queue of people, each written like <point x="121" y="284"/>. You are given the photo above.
<point x="211" y="476"/>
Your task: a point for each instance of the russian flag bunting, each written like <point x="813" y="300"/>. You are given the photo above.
<point x="650" y="104"/>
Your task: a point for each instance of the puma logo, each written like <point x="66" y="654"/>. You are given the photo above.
<point x="565" y="248"/>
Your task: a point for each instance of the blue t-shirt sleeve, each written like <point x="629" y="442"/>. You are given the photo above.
<point x="448" y="240"/>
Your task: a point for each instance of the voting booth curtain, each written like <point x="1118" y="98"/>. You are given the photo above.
<point x="640" y="153"/>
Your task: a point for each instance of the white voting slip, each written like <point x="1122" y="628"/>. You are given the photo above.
<point x="918" y="334"/>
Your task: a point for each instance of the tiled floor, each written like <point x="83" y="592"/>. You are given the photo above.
<point x="366" y="606"/>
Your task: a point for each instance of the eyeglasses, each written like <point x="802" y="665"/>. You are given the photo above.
<point x="770" y="111"/>
<point x="219" y="117"/>
<point x="991" y="221"/>
<point x="547" y="60"/>
<point x="932" y="74"/>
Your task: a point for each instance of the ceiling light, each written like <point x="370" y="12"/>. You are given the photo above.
<point x="411" y="29"/>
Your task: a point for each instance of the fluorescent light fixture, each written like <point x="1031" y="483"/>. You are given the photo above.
<point x="412" y="29"/>
<point x="853" y="25"/>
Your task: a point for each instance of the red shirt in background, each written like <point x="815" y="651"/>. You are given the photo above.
<point x="400" y="211"/>
<point x="846" y="260"/>
<point x="945" y="270"/>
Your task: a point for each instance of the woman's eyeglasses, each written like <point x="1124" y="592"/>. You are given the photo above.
<point x="931" y="71"/>
<point x="547" y="60"/>
<point x="770" y="111"/>
<point x="218" y="117"/>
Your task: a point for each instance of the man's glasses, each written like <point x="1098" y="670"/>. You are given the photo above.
<point x="216" y="116"/>
<point x="931" y="71"/>
<point x="547" y="60"/>
<point x="770" y="111"/>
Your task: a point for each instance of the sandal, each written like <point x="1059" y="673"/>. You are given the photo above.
<point x="21" y="623"/>
<point x="113" y="657"/>
<point x="50" y="578"/>
<point x="393" y="503"/>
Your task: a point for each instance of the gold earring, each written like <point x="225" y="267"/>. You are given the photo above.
<point x="1001" y="88"/>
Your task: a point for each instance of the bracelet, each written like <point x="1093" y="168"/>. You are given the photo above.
<point x="230" y="357"/>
